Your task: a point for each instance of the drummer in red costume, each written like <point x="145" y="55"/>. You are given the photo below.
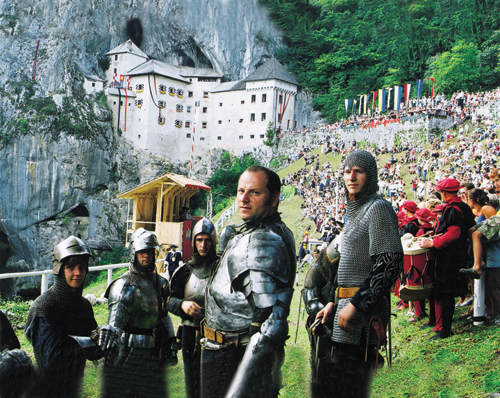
<point x="424" y="218"/>
<point x="411" y="225"/>
<point x="450" y="243"/>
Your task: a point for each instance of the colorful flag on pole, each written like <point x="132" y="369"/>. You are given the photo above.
<point x="420" y="84"/>
<point x="389" y="89"/>
<point x="407" y="87"/>
<point x="374" y="97"/>
<point x="398" y="91"/>
<point x="348" y="103"/>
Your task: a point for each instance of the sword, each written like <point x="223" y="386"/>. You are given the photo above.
<point x="298" y="319"/>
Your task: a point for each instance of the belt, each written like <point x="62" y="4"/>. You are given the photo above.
<point x="224" y="337"/>
<point x="346" y="292"/>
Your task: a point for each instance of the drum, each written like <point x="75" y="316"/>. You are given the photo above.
<point x="418" y="276"/>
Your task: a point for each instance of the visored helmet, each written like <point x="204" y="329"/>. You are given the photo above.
<point x="142" y="240"/>
<point x="205" y="226"/>
<point x="72" y="249"/>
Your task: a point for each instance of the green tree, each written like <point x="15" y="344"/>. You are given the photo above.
<point x="457" y="69"/>
<point x="269" y="135"/>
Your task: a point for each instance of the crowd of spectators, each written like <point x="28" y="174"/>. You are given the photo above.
<point x="467" y="152"/>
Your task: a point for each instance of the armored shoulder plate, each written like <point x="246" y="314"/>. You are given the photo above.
<point x="261" y="250"/>
<point x="225" y="236"/>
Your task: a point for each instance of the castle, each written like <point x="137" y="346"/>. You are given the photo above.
<point x="180" y="111"/>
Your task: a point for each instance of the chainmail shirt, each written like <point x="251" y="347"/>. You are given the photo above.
<point x="371" y="255"/>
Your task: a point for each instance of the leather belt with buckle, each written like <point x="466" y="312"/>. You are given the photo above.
<point x="224" y="337"/>
<point x="346" y="292"/>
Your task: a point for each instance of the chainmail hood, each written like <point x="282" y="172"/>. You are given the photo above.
<point x="365" y="160"/>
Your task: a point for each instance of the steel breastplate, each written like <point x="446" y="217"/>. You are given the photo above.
<point x="227" y="310"/>
<point x="140" y="298"/>
<point x="195" y="291"/>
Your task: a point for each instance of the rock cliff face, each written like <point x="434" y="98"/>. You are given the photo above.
<point x="233" y="36"/>
<point x="61" y="163"/>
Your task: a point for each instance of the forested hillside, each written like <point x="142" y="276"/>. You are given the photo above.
<point x="339" y="49"/>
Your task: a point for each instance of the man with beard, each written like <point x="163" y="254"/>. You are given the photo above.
<point x="139" y="332"/>
<point x="371" y="259"/>
<point x="60" y="323"/>
<point x="188" y="285"/>
<point x="249" y="295"/>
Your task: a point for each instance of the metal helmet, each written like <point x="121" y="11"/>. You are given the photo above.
<point x="142" y="240"/>
<point x="204" y="226"/>
<point x="70" y="247"/>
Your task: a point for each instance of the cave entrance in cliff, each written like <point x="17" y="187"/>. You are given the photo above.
<point x="5" y="249"/>
<point x="80" y="211"/>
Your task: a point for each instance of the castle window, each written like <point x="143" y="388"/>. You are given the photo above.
<point x="242" y="102"/>
<point x="252" y="136"/>
<point x="180" y="93"/>
<point x="187" y="124"/>
<point x="162" y="104"/>
<point x="190" y="94"/>
<point x="178" y="123"/>
<point x="281" y="98"/>
<point x="241" y="120"/>
<point x="139" y="103"/>
<point x="205" y="94"/>
<point x="252" y="117"/>
<point x="219" y="138"/>
<point x="264" y="97"/>
<point x="279" y="117"/>
<point x="116" y="57"/>
<point x="188" y="109"/>
<point x="163" y="89"/>
<point x="254" y="98"/>
<point x="204" y="125"/>
<point x="188" y="135"/>
<point x="161" y="120"/>
<point x="220" y="121"/>
<point x="220" y="103"/>
<point x="205" y="109"/>
<point x="171" y="91"/>
<point x="262" y="136"/>
<point x="115" y="71"/>
<point x="139" y="88"/>
<point x="202" y="138"/>
<point x="241" y="137"/>
<point x="263" y="117"/>
<point x="179" y="108"/>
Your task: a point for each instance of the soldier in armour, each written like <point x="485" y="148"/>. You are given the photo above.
<point x="139" y="331"/>
<point x="316" y="294"/>
<point x="188" y="285"/>
<point x="61" y="324"/>
<point x="248" y="296"/>
<point x="371" y="259"/>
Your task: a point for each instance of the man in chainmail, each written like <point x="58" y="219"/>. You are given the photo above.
<point x="371" y="259"/>
<point x="61" y="322"/>
<point x="316" y="294"/>
<point x="188" y="285"/>
<point x="139" y="331"/>
<point x="248" y="296"/>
